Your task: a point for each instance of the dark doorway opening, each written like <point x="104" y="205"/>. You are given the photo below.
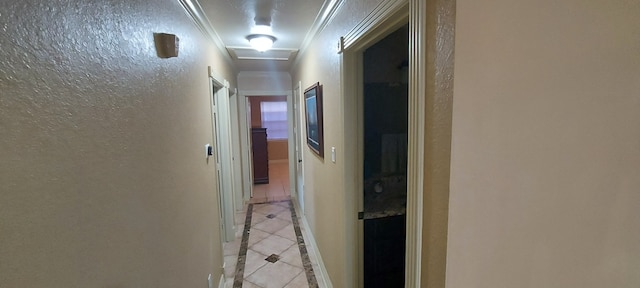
<point x="385" y="159"/>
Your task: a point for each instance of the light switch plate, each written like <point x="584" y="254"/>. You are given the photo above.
<point x="333" y="154"/>
<point x="208" y="150"/>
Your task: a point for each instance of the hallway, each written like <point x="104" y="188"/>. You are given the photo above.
<point x="523" y="162"/>
<point x="269" y="249"/>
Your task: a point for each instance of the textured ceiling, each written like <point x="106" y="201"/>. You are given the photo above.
<point x="290" y="21"/>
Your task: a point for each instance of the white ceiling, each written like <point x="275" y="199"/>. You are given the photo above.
<point x="290" y="21"/>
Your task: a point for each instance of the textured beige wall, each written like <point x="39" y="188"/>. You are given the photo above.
<point x="545" y="176"/>
<point x="103" y="182"/>
<point x="439" y="21"/>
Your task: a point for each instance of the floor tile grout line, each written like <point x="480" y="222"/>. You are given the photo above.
<point x="306" y="262"/>
<point x="294" y="278"/>
<point x="254" y="272"/>
<point x="242" y="254"/>
<point x="294" y="241"/>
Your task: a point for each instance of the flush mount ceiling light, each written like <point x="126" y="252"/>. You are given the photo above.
<point x="261" y="42"/>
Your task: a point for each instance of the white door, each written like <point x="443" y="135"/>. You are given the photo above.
<point x="219" y="178"/>
<point x="250" y="145"/>
<point x="224" y="158"/>
<point x="237" y="152"/>
<point x="298" y="138"/>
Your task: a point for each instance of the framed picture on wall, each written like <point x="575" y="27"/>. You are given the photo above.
<point x="313" y="113"/>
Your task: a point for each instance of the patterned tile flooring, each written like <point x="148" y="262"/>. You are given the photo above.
<point x="273" y="233"/>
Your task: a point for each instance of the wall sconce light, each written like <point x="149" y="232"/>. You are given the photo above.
<point x="167" y="45"/>
<point x="261" y="42"/>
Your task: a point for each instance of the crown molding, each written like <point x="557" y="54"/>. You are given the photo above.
<point x="196" y="13"/>
<point x="326" y="13"/>
<point x="380" y="13"/>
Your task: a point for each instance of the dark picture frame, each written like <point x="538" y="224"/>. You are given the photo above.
<point x="313" y="115"/>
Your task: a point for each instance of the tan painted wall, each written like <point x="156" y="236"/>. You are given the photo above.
<point x="545" y="176"/>
<point x="278" y="150"/>
<point x="437" y="88"/>
<point x="103" y="182"/>
<point x="256" y="113"/>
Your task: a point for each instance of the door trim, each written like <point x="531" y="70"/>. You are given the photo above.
<point x="386" y="18"/>
<point x="237" y="151"/>
<point x="298" y="149"/>
<point x="245" y="147"/>
<point x="432" y="25"/>
<point x="430" y="22"/>
<point x="245" y="142"/>
<point x="220" y="118"/>
<point x="431" y="57"/>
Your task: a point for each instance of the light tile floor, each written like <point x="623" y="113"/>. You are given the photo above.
<point x="271" y="232"/>
<point x="278" y="187"/>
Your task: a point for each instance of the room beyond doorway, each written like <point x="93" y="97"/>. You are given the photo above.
<point x="268" y="118"/>
<point x="278" y="187"/>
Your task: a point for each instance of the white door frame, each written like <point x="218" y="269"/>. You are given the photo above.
<point x="237" y="151"/>
<point x="431" y="45"/>
<point x="245" y="146"/>
<point x="221" y="122"/>
<point x="298" y="131"/>
<point x="291" y="144"/>
<point x="245" y="130"/>
<point x="385" y="19"/>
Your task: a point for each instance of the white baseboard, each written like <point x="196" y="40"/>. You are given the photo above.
<point x="312" y="249"/>
<point x="221" y="282"/>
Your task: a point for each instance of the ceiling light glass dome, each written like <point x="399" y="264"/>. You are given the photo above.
<point x="261" y="42"/>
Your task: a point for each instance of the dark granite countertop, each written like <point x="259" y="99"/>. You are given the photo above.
<point x="385" y="196"/>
